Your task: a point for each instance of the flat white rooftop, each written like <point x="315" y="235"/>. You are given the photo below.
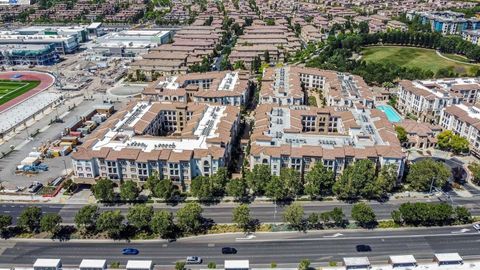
<point x="86" y="263"/>
<point x="206" y="128"/>
<point x="402" y="259"/>
<point x="237" y="264"/>
<point x="448" y="257"/>
<point x="356" y="261"/>
<point x="47" y="263"/>
<point x="134" y="264"/>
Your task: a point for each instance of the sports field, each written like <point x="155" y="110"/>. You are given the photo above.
<point x="10" y="89"/>
<point x="416" y="57"/>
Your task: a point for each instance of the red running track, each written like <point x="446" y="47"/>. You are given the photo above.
<point x="46" y="80"/>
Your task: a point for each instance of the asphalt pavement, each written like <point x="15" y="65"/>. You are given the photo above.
<point x="222" y="213"/>
<point x="282" y="248"/>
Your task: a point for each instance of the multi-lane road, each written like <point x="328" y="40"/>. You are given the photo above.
<point x="283" y="248"/>
<point x="222" y="213"/>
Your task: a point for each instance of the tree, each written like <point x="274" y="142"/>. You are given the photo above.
<point x="162" y="224"/>
<point x="338" y="217"/>
<point x="201" y="188"/>
<point x="111" y="222"/>
<point x="165" y="190"/>
<point x="258" y="178"/>
<point x="363" y="28"/>
<point x="275" y="189"/>
<point x="50" y="222"/>
<point x="86" y="217"/>
<point x="241" y="216"/>
<point x="140" y="216"/>
<point x="293" y="215"/>
<point x="304" y="265"/>
<point x="129" y="191"/>
<point x="319" y="181"/>
<point x="266" y="57"/>
<point x="237" y="188"/>
<point x="447" y="140"/>
<point x="386" y="180"/>
<point x="463" y="215"/>
<point x="475" y="170"/>
<point x="190" y="218"/>
<point x="5" y="222"/>
<point x="363" y="214"/>
<point x="356" y="181"/>
<point x="292" y="182"/>
<point x="30" y="218"/>
<point x="401" y="134"/>
<point x="103" y="190"/>
<point x="428" y="173"/>
<point x="180" y="266"/>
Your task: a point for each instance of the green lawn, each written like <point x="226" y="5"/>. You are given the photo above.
<point x="12" y="89"/>
<point x="416" y="57"/>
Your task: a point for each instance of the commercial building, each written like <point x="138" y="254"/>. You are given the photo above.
<point x="426" y="99"/>
<point x="14" y="2"/>
<point x="176" y="140"/>
<point x="63" y="44"/>
<point x="28" y="55"/>
<point x="287" y="86"/>
<point x="299" y="136"/>
<point x="130" y="43"/>
<point x="222" y="87"/>
<point x="463" y="120"/>
<point x="79" y="32"/>
<point x="446" y="22"/>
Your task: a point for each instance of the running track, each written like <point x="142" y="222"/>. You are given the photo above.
<point x="46" y="80"/>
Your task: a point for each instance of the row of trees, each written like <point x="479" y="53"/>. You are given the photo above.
<point x="449" y="141"/>
<point x="361" y="179"/>
<point x="408" y="214"/>
<point x="32" y="220"/>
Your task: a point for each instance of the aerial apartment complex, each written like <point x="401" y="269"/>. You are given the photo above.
<point x="299" y="136"/>
<point x="289" y="134"/>
<point x="178" y="141"/>
<point x="222" y="87"/>
<point x="287" y="85"/>
<point x="426" y="99"/>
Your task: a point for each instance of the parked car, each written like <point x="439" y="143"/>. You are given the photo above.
<point x="130" y="251"/>
<point x="476" y="226"/>
<point x="229" y="250"/>
<point x="194" y="260"/>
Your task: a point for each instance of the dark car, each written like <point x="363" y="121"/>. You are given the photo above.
<point x="363" y="248"/>
<point x="229" y="250"/>
<point x="130" y="251"/>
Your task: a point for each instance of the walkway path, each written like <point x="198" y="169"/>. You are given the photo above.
<point x="454" y="60"/>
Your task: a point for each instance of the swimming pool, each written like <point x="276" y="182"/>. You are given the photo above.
<point x="392" y="115"/>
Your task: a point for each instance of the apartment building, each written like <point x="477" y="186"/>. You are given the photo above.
<point x="446" y="22"/>
<point x="472" y="36"/>
<point x="176" y="140"/>
<point x="426" y="99"/>
<point x="299" y="136"/>
<point x="420" y="135"/>
<point x="222" y="87"/>
<point x="463" y="120"/>
<point x="287" y="85"/>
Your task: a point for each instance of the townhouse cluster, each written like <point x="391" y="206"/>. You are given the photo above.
<point x="183" y="127"/>
<point x="107" y="11"/>
<point x="191" y="45"/>
<point x="260" y="38"/>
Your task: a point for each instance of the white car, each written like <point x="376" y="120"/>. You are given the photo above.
<point x="476" y="226"/>
<point x="193" y="260"/>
